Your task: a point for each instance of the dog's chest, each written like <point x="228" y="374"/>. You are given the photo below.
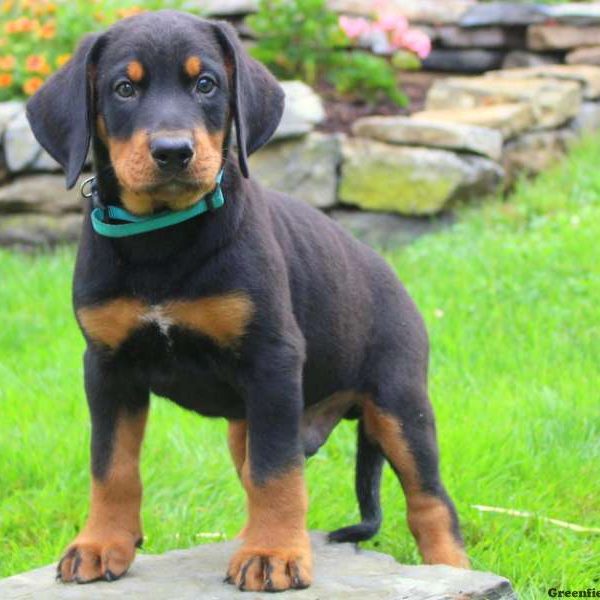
<point x="221" y="318"/>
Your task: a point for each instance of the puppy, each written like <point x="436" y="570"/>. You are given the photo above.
<point x="256" y="308"/>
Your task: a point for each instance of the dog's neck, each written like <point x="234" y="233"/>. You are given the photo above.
<point x="199" y="237"/>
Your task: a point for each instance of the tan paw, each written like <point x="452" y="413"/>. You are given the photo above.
<point x="270" y="570"/>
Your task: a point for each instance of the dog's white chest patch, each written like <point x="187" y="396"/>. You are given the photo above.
<point x="158" y="316"/>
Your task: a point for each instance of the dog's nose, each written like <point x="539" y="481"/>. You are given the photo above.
<point x="171" y="154"/>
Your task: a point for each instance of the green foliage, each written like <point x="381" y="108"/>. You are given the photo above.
<point x="302" y="39"/>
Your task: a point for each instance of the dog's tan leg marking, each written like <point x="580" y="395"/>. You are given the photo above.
<point x="429" y="518"/>
<point x="236" y="440"/>
<point x="105" y="548"/>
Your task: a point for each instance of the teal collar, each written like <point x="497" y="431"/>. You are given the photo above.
<point x="135" y="224"/>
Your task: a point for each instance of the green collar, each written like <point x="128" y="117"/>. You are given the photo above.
<point x="135" y="224"/>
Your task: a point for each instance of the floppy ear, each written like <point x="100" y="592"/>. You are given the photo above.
<point x="60" y="113"/>
<point x="257" y="97"/>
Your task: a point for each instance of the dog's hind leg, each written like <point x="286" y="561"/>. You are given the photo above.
<point x="400" y="420"/>
<point x="369" y="464"/>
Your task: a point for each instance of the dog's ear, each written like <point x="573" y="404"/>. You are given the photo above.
<point x="257" y="97"/>
<point x="60" y="113"/>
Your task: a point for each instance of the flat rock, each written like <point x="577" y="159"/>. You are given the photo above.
<point x="32" y="231"/>
<point x="587" y="76"/>
<point x="9" y="110"/>
<point x="580" y="13"/>
<point x="588" y="118"/>
<point x="341" y="573"/>
<point x="463" y="60"/>
<point x="584" y="56"/>
<point x="303" y="110"/>
<point x="432" y="134"/>
<point x="452" y="36"/>
<point x="22" y="151"/>
<point x="561" y="37"/>
<point x="553" y="102"/>
<point x="432" y="12"/>
<point x="502" y="13"/>
<point x="304" y="167"/>
<point x="388" y="231"/>
<point x="411" y="181"/>
<point x="39" y="194"/>
<point x="535" y="152"/>
<point x="518" y="59"/>
<point x="509" y="119"/>
<point x="227" y="8"/>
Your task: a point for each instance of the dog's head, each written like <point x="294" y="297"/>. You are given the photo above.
<point x="159" y="91"/>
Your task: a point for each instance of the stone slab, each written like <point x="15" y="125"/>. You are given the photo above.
<point x="341" y="573"/>
<point x="584" y="56"/>
<point x="303" y="110"/>
<point x="463" y="60"/>
<point x="518" y="59"/>
<point x="39" y="194"/>
<point x="411" y="181"/>
<point x="509" y="119"/>
<point x="228" y="8"/>
<point x="9" y="110"/>
<point x="561" y="37"/>
<point x="502" y="13"/>
<point x="29" y="231"/>
<point x="553" y="102"/>
<point x="574" y="13"/>
<point x="304" y="167"/>
<point x="452" y="36"/>
<point x="431" y="134"/>
<point x="586" y="75"/>
<point x="588" y="118"/>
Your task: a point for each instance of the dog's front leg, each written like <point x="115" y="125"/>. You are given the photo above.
<point x="105" y="548"/>
<point x="276" y="553"/>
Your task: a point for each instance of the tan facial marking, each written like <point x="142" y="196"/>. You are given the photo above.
<point x="113" y="322"/>
<point x="101" y="130"/>
<point x="135" y="71"/>
<point x="193" y="66"/>
<point x="108" y="540"/>
<point x="224" y="318"/>
<point x="429" y="518"/>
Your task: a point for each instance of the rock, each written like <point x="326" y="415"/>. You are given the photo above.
<point x="463" y="61"/>
<point x="561" y="37"/>
<point x="553" y="102"/>
<point x="22" y="151"/>
<point x="227" y="8"/>
<point x="305" y="168"/>
<point x="303" y="110"/>
<point x="387" y="231"/>
<point x="587" y="76"/>
<point x="9" y="110"/>
<point x="508" y="119"/>
<point x="30" y="231"/>
<point x="341" y="573"/>
<point x="432" y="134"/>
<point x="518" y="59"/>
<point x="430" y="12"/>
<point x="411" y="181"/>
<point x="40" y="194"/>
<point x="584" y="56"/>
<point x="581" y="13"/>
<point x="588" y="119"/>
<point x="453" y="36"/>
<point x="502" y="13"/>
<point x="535" y="152"/>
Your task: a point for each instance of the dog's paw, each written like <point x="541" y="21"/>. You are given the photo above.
<point x="270" y="570"/>
<point x="90" y="558"/>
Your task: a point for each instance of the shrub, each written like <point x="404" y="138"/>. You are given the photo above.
<point x="38" y="36"/>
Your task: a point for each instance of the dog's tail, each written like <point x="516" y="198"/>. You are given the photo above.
<point x="369" y="465"/>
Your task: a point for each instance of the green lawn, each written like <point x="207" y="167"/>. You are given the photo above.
<point x="511" y="297"/>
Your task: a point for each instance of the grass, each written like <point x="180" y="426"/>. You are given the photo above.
<point x="510" y="295"/>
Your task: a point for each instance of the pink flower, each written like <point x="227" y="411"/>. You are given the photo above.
<point x="354" y="28"/>
<point x="390" y="22"/>
<point x="414" y="40"/>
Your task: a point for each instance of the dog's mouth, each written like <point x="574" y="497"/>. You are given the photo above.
<point x="176" y="193"/>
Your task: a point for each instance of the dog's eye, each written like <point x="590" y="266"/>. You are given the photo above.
<point x="205" y="85"/>
<point x="125" y="89"/>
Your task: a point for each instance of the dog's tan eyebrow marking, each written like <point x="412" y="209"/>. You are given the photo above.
<point x="193" y="66"/>
<point x="135" y="71"/>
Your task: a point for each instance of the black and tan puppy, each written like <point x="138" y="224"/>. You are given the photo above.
<point x="262" y="311"/>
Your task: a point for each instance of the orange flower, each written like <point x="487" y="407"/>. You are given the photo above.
<point x="50" y="8"/>
<point x="37" y="63"/>
<point x="7" y="5"/>
<point x="47" y="31"/>
<point x="20" y="25"/>
<point x="6" y="80"/>
<point x="8" y="62"/>
<point x="123" y="13"/>
<point x="62" y="60"/>
<point x="32" y="85"/>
